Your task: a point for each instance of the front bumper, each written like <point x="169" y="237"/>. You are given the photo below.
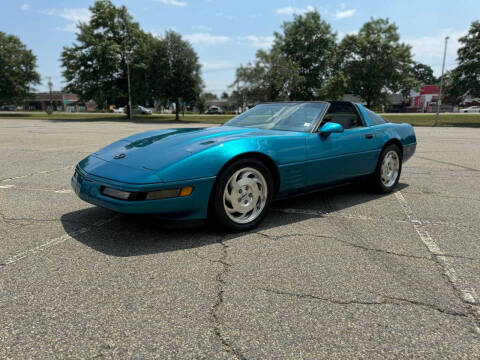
<point x="193" y="207"/>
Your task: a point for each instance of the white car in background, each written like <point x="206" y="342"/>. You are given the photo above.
<point x="120" y="110"/>
<point x="472" y="109"/>
<point x="142" y="110"/>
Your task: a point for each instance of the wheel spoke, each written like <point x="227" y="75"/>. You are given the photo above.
<point x="245" y="195"/>
<point x="390" y="168"/>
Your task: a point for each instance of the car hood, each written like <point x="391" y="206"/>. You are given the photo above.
<point x="155" y="150"/>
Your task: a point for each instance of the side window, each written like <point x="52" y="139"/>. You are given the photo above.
<point x="344" y="114"/>
<point x="375" y="119"/>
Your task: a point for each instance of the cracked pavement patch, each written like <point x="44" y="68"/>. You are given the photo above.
<point x="339" y="274"/>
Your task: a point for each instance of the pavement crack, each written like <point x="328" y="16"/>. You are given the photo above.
<point x="221" y="282"/>
<point x="348" y="243"/>
<point x="397" y="300"/>
<point x="447" y="163"/>
<point x="381" y="300"/>
<point x="441" y="195"/>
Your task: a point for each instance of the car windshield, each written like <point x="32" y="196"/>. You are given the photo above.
<point x="281" y="116"/>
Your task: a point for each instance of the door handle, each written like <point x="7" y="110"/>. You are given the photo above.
<point x="369" y="136"/>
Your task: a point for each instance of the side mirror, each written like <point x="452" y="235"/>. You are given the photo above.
<point x="329" y="128"/>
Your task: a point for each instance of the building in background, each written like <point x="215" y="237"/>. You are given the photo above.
<point x="61" y="101"/>
<point x="425" y="100"/>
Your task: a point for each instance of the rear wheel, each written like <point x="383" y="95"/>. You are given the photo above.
<point x="242" y="194"/>
<point x="388" y="170"/>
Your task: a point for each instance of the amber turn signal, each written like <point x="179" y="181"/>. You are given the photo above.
<point x="186" y="191"/>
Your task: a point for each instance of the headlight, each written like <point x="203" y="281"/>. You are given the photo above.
<point x="117" y="194"/>
<point x="152" y="195"/>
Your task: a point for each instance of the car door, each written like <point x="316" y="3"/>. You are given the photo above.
<point x="341" y="156"/>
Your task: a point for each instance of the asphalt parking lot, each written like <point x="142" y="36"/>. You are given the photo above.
<point x="340" y="274"/>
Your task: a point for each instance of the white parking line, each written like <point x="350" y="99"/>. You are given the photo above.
<point x="58" y="240"/>
<point x="6" y="186"/>
<point x="36" y="173"/>
<point x="61" y="191"/>
<point x="468" y="293"/>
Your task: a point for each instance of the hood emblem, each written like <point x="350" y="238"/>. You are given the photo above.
<point x="119" y="156"/>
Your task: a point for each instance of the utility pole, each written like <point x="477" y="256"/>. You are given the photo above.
<point x="439" y="100"/>
<point x="129" y="92"/>
<point x="50" y="85"/>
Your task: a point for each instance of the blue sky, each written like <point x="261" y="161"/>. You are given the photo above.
<point x="226" y="33"/>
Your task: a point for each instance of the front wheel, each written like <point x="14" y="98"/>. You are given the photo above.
<point x="242" y="195"/>
<point x="388" y="170"/>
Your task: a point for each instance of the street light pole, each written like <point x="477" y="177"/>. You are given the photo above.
<point x="129" y="93"/>
<point x="439" y="100"/>
<point x="50" y="106"/>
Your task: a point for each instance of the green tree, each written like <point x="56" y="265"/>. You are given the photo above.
<point x="336" y="87"/>
<point x="466" y="77"/>
<point x="96" y="66"/>
<point x="225" y="95"/>
<point x="271" y="77"/>
<point x="177" y="70"/>
<point x="210" y="96"/>
<point x="18" y="72"/>
<point x="423" y="74"/>
<point x="375" y="62"/>
<point x="310" y="44"/>
<point x="453" y="94"/>
<point x="201" y="103"/>
<point x="156" y="64"/>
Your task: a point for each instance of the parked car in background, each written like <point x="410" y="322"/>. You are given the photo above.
<point x="7" y="108"/>
<point x="120" y="110"/>
<point x="142" y="110"/>
<point x="471" y="109"/>
<point x="214" y="110"/>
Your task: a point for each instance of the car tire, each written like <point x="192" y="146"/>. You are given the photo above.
<point x="388" y="171"/>
<point x="242" y="195"/>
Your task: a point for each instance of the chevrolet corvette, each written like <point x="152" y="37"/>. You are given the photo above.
<point x="232" y="173"/>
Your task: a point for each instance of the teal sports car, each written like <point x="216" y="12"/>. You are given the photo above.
<point x="233" y="172"/>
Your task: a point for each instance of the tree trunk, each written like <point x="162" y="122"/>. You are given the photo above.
<point x="177" y="109"/>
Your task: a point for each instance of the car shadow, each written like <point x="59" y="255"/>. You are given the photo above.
<point x="126" y="235"/>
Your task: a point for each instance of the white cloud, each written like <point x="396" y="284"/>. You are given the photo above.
<point x="429" y="49"/>
<point x="25" y="7"/>
<point x="206" y="39"/>
<point x="218" y="65"/>
<point x="257" y="41"/>
<point x="174" y="2"/>
<point x="71" y="27"/>
<point x="290" y="10"/>
<point x="228" y="17"/>
<point x="345" y="14"/>
<point x="73" y="15"/>
<point x="201" y="28"/>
